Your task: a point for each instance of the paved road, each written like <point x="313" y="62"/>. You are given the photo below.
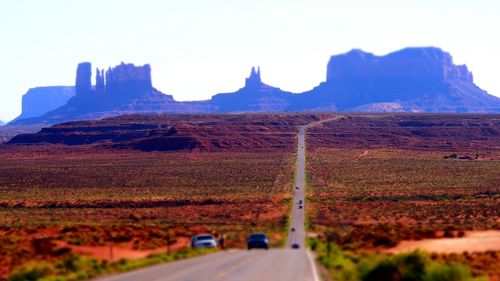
<point x="241" y="265"/>
<point x="297" y="233"/>
<point x="232" y="265"/>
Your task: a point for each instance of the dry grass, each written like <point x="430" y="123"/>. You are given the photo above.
<point x="396" y="186"/>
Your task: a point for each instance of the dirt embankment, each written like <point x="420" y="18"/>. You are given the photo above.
<point x="473" y="241"/>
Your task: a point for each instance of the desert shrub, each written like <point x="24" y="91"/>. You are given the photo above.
<point x="74" y="267"/>
<point x="343" y="264"/>
<point x="447" y="272"/>
<point x="369" y="266"/>
<point x="32" y="272"/>
<point x="415" y="266"/>
<point x="408" y="267"/>
<point x="386" y="271"/>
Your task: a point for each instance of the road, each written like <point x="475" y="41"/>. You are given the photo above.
<point x="297" y="233"/>
<point x="234" y="265"/>
<point x="242" y="265"/>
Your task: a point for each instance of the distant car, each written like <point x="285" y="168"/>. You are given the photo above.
<point x="296" y="187"/>
<point x="300" y="206"/>
<point x="293" y="229"/>
<point x="258" y="240"/>
<point x="295" y="246"/>
<point x="203" y="241"/>
<point x="300" y="201"/>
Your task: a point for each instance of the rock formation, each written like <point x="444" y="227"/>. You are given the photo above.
<point x="417" y="64"/>
<point x="412" y="79"/>
<point x="83" y="84"/>
<point x="127" y="80"/>
<point x="253" y="81"/>
<point x="99" y="82"/>
<point x="124" y="81"/>
<point x="124" y="89"/>
<point x="409" y="80"/>
<point x="256" y="96"/>
<point x="40" y="100"/>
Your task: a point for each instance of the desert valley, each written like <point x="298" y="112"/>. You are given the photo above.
<point x="387" y="170"/>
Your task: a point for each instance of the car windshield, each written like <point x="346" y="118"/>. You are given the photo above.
<point x="204" y="237"/>
<point x="258" y="236"/>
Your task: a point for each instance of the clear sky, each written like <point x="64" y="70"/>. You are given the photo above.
<point x="198" y="48"/>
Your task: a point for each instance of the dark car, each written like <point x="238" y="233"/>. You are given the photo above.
<point x="257" y="240"/>
<point x="295" y="246"/>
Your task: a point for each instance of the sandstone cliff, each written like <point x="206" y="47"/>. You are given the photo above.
<point x="412" y="80"/>
<point x="40" y="100"/>
<point x="124" y="89"/>
<point x="83" y="84"/>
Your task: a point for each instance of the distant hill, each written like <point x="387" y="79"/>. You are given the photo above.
<point x="409" y="80"/>
<point x="159" y="132"/>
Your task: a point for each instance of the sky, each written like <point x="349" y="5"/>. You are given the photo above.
<point x="198" y="48"/>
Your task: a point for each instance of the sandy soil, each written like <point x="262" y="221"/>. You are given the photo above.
<point x="118" y="252"/>
<point x="473" y="241"/>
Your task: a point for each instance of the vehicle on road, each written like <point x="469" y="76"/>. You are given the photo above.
<point x="300" y="201"/>
<point x="300" y="206"/>
<point x="295" y="246"/>
<point x="258" y="240"/>
<point x="293" y="229"/>
<point x="203" y="241"/>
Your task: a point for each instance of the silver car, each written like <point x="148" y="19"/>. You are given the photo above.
<point x="203" y="241"/>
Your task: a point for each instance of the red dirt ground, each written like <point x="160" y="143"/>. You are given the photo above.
<point x="473" y="241"/>
<point x="120" y="251"/>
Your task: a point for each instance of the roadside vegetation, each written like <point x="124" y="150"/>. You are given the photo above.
<point x="370" y="266"/>
<point x="74" y="267"/>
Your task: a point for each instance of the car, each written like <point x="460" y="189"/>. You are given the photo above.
<point x="258" y="240"/>
<point x="293" y="229"/>
<point x="300" y="206"/>
<point x="203" y="241"/>
<point x="295" y="246"/>
<point x="296" y="187"/>
<point x="300" y="201"/>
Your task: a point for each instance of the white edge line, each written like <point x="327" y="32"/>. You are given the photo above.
<point x="313" y="266"/>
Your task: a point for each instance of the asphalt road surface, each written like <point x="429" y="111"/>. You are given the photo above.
<point x="297" y="233"/>
<point x="242" y="265"/>
<point x="234" y="265"/>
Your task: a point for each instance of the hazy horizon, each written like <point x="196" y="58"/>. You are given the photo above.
<point x="197" y="49"/>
